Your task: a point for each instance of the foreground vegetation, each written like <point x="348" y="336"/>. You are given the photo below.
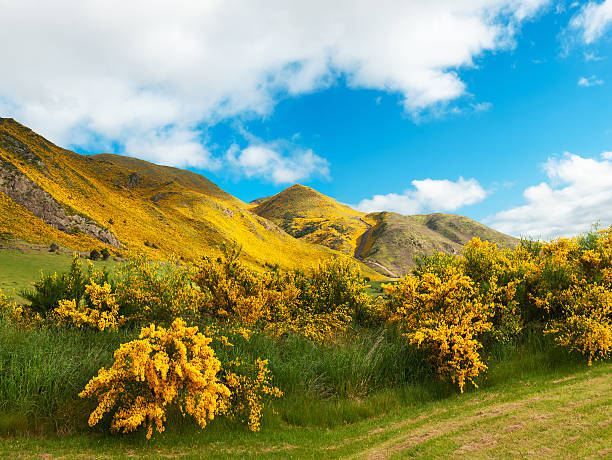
<point x="532" y="409"/>
<point x="219" y="346"/>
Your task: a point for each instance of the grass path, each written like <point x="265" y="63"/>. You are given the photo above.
<point x="555" y="416"/>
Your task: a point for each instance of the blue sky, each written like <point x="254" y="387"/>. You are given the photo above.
<point x="498" y="110"/>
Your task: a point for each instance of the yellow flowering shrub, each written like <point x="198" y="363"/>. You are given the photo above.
<point x="102" y="315"/>
<point x="160" y="368"/>
<point x="586" y="325"/>
<point x="51" y="289"/>
<point x="445" y="314"/>
<point x="499" y="276"/>
<point x="318" y="306"/>
<point x="249" y="384"/>
<point x="158" y="292"/>
<point x="17" y="314"/>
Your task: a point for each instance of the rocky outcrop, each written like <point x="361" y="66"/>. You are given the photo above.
<point x="31" y="196"/>
<point x="134" y="180"/>
<point x="21" y="150"/>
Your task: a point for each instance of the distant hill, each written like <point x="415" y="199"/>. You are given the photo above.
<point x="311" y="216"/>
<point x="395" y="240"/>
<point x="51" y="194"/>
<point x="388" y="242"/>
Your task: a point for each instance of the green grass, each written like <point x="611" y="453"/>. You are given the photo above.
<point x="558" y="412"/>
<point x="19" y="268"/>
<point x="371" y="395"/>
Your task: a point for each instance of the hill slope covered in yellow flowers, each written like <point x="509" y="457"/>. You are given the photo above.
<point x="51" y="194"/>
<point x="386" y="241"/>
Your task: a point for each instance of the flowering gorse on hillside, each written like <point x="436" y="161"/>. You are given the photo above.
<point x="457" y="309"/>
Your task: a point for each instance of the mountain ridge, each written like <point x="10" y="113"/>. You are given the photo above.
<point x="48" y="193"/>
<point x="386" y="241"/>
<point x="158" y="210"/>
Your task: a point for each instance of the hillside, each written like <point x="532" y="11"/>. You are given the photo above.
<point x="387" y="242"/>
<point x="395" y="240"/>
<point x="313" y="217"/>
<point x="51" y="194"/>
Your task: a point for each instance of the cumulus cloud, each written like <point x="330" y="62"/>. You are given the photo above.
<point x="117" y="73"/>
<point x="590" y="81"/>
<point x="593" y="20"/>
<point x="428" y="194"/>
<point x="277" y="162"/>
<point x="578" y="193"/>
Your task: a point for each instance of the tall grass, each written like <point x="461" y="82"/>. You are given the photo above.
<point x="43" y="370"/>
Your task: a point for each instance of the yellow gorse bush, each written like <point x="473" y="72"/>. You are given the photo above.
<point x="319" y="306"/>
<point x="248" y="384"/>
<point x="586" y="325"/>
<point x="160" y="368"/>
<point x="17" y="314"/>
<point x="158" y="292"/>
<point x="103" y="315"/>
<point x="445" y="314"/>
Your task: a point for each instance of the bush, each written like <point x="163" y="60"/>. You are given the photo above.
<point x="105" y="253"/>
<point x="444" y="314"/>
<point x="586" y="323"/>
<point x="157" y="292"/>
<point x="161" y="368"/>
<point x="103" y="314"/>
<point x="318" y="306"/>
<point x="50" y="289"/>
<point x="54" y="247"/>
<point x="94" y="254"/>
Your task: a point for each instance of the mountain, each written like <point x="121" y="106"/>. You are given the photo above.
<point x="395" y="240"/>
<point x="306" y="214"/>
<point x="386" y="241"/>
<point x="48" y="194"/>
<point x="84" y="201"/>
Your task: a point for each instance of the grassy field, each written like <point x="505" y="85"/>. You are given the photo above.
<point x="555" y="413"/>
<point x="20" y="267"/>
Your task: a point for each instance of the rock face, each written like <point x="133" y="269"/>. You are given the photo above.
<point x="31" y="196"/>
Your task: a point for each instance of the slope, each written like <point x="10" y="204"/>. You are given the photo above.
<point x="52" y="194"/>
<point x="313" y="217"/>
<point x="395" y="240"/>
<point x="387" y="242"/>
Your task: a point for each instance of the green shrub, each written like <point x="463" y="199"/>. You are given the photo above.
<point x="50" y="289"/>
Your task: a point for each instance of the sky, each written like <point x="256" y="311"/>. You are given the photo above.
<point x="500" y="110"/>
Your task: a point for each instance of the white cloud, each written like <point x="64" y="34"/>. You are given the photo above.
<point x="118" y="73"/>
<point x="482" y="106"/>
<point x="578" y="194"/>
<point x="277" y="162"/>
<point x="592" y="57"/>
<point x="590" y="81"/>
<point x="428" y="194"/>
<point x="593" y="20"/>
<point x="173" y="147"/>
